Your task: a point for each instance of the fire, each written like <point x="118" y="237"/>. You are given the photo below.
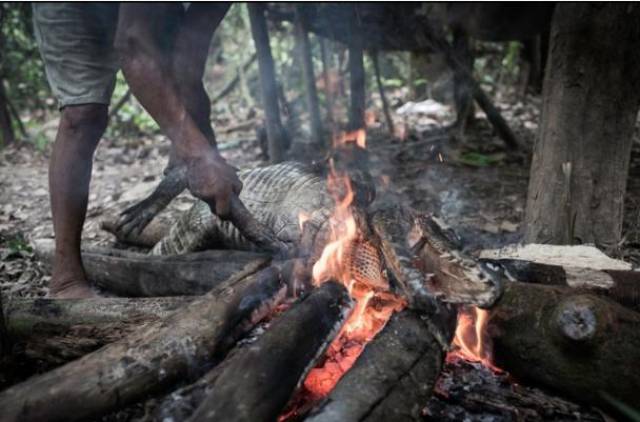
<point x="374" y="303"/>
<point x="359" y="137"/>
<point x="471" y="339"/>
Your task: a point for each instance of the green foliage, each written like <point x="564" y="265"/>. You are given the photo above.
<point x="131" y="118"/>
<point x="20" y="65"/>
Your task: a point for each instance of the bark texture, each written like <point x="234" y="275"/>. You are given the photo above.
<point x="56" y="331"/>
<point x="259" y="383"/>
<point x="393" y="377"/>
<point x="133" y="274"/>
<point x="591" y="98"/>
<point x="569" y="341"/>
<point x="150" y="359"/>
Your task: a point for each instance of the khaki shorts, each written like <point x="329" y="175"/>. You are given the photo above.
<point x="76" y="44"/>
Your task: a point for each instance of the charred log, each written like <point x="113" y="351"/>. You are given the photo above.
<point x="575" y="343"/>
<point x="393" y="377"/>
<point x="56" y="331"/>
<point x="149" y="359"/>
<point x="133" y="274"/>
<point x="260" y="382"/>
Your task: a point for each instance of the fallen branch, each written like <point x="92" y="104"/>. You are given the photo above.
<point x="272" y="367"/>
<point x="133" y="274"/>
<point x="148" y="360"/>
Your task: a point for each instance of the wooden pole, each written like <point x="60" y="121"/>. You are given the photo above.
<point x="275" y="131"/>
<point x="383" y="97"/>
<point x="357" y="80"/>
<point x="304" y="49"/>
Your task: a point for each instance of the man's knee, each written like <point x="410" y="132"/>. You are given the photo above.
<point x="87" y="121"/>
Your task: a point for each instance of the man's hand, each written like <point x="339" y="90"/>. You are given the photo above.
<point x="211" y="179"/>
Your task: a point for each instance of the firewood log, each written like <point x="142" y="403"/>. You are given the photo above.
<point x="393" y="377"/>
<point x="622" y="286"/>
<point x="150" y="359"/>
<point x="133" y="274"/>
<point x="260" y="382"/>
<point x="55" y="331"/>
<point x="579" y="344"/>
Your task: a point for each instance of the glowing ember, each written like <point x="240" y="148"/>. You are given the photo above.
<point x="374" y="303"/>
<point x="471" y="339"/>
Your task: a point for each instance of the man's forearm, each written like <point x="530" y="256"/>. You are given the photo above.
<point x="148" y="73"/>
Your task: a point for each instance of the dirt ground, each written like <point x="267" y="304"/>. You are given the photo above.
<point x="473" y="183"/>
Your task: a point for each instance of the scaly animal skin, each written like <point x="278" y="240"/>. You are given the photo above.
<point x="276" y="195"/>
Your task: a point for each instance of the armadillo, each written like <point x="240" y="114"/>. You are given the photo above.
<point x="276" y="195"/>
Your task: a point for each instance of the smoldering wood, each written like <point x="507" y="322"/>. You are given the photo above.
<point x="150" y="359"/>
<point x="569" y="341"/>
<point x="383" y="97"/>
<point x="453" y="276"/>
<point x="56" y="331"/>
<point x="621" y="286"/>
<point x="304" y="48"/>
<point x="392" y="378"/>
<point x="275" y="130"/>
<point x="261" y="381"/>
<point x="134" y="274"/>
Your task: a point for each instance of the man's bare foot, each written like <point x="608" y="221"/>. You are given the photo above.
<point x="72" y="289"/>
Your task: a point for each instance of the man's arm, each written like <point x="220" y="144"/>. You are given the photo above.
<point x="147" y="69"/>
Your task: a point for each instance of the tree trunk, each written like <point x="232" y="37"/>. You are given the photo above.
<point x="357" y="77"/>
<point x="275" y="131"/>
<point x="150" y="359"/>
<point x="591" y="98"/>
<point x="304" y="49"/>
<point x="133" y="274"/>
<point x="568" y="341"/>
<point x="328" y="94"/>
<point x="275" y="364"/>
<point x="383" y="97"/>
<point x="7" y="135"/>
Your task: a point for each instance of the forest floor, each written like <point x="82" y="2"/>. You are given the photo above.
<point x="474" y="184"/>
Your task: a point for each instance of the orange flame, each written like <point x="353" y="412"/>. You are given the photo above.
<point x="471" y="339"/>
<point x="359" y="137"/>
<point x="373" y="307"/>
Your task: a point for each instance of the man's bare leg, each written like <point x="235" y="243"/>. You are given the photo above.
<point x="70" y="167"/>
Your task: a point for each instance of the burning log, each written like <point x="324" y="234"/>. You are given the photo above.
<point x="133" y="274"/>
<point x="569" y="341"/>
<point x="55" y="331"/>
<point x="149" y="359"/>
<point x="392" y="379"/>
<point x="258" y="385"/>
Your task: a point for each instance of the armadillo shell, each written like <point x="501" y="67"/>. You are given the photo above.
<point x="364" y="264"/>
